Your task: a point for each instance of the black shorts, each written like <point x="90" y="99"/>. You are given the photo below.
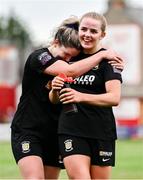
<point x="27" y="143"/>
<point x="101" y="152"/>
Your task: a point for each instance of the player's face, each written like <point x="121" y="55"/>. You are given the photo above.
<point x="90" y="34"/>
<point x="66" y="53"/>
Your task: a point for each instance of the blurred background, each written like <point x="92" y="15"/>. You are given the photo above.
<point x="28" y="24"/>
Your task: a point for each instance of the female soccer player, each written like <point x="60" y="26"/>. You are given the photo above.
<point x="87" y="137"/>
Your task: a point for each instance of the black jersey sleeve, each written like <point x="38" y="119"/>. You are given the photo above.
<point x="40" y="59"/>
<point x="110" y="72"/>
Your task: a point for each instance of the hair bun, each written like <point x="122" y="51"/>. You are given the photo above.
<point x="73" y="26"/>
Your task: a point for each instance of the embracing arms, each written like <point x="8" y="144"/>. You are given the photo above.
<point x="80" y="67"/>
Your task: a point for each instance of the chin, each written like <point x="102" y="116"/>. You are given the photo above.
<point x="85" y="46"/>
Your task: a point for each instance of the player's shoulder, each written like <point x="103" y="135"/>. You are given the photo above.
<point x="42" y="55"/>
<point x="38" y="52"/>
<point x="104" y="63"/>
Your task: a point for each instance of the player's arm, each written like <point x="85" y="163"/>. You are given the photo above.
<point x="80" y="67"/>
<point x="110" y="98"/>
<point x="56" y="86"/>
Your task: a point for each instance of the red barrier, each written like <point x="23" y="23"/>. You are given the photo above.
<point x="128" y="122"/>
<point x="7" y="103"/>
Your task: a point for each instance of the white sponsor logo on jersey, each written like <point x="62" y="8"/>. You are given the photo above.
<point x="105" y="153"/>
<point x="85" y="79"/>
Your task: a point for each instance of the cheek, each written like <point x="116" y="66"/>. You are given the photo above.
<point x="97" y="37"/>
<point x="75" y="54"/>
<point x="80" y="34"/>
<point x="80" y="39"/>
<point x="61" y="55"/>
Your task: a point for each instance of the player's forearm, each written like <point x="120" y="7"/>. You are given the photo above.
<point x="76" y="69"/>
<point x="107" y="99"/>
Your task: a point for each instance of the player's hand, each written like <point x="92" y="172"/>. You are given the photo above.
<point x="57" y="83"/>
<point x="118" y="63"/>
<point x="114" y="58"/>
<point x="69" y="95"/>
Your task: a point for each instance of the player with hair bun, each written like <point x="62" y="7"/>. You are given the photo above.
<point x="34" y="136"/>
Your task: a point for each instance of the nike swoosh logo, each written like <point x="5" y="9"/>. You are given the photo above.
<point x="104" y="160"/>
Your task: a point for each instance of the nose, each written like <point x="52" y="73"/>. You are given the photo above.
<point x="67" y="58"/>
<point x="87" y="33"/>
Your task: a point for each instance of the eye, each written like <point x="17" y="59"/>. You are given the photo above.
<point x="93" y="31"/>
<point x="83" y="29"/>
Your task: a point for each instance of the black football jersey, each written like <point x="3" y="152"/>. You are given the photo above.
<point x="91" y="121"/>
<point x="34" y="110"/>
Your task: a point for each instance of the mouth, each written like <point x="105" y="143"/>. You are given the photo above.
<point x="87" y="40"/>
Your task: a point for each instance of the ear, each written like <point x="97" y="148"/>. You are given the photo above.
<point x="103" y="35"/>
<point x="56" y="42"/>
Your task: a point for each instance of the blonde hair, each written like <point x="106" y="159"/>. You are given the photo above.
<point x="96" y="16"/>
<point x="67" y="33"/>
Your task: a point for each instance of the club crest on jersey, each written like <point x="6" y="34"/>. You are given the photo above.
<point x="25" y="146"/>
<point x="44" y="58"/>
<point x="68" y="145"/>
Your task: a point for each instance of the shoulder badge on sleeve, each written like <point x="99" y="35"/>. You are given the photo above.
<point x="44" y="58"/>
<point x="115" y="70"/>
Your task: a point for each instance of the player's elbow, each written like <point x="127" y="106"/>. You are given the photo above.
<point x="115" y="100"/>
<point x="115" y="103"/>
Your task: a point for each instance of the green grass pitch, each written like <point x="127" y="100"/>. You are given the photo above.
<point x="129" y="161"/>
